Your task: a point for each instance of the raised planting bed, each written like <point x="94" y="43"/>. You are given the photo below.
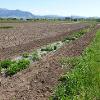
<point x="11" y="67"/>
<point x="27" y="36"/>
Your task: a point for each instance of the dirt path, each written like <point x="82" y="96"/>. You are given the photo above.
<point x="37" y="82"/>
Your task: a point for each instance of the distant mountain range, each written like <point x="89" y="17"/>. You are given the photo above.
<point x="5" y="13"/>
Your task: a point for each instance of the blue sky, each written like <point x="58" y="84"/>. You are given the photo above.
<point x="55" y="7"/>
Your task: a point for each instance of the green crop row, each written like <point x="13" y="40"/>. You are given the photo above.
<point x="12" y="67"/>
<point x="49" y="48"/>
<point x="5" y="27"/>
<point x="75" y="35"/>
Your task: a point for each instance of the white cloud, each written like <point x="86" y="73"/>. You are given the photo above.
<point x="40" y="11"/>
<point x="59" y="12"/>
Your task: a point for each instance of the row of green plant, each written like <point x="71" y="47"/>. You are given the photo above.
<point x="83" y="81"/>
<point x="49" y="48"/>
<point x="75" y="35"/>
<point x="5" y="27"/>
<point x="39" y="52"/>
<point x="12" y="67"/>
<point x="34" y="56"/>
<point x="52" y="47"/>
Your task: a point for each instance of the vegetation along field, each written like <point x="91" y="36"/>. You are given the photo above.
<point x="49" y="60"/>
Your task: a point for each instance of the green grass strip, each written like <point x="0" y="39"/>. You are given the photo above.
<point x="83" y="82"/>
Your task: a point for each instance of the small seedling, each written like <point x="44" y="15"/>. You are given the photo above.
<point x="25" y="55"/>
<point x="35" y="56"/>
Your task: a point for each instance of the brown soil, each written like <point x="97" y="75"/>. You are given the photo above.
<point x="37" y="82"/>
<point x="25" y="37"/>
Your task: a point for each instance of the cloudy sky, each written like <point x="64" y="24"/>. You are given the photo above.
<point x="55" y="7"/>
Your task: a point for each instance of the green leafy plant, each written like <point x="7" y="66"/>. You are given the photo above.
<point x="68" y="39"/>
<point x="55" y="47"/>
<point x="35" y="56"/>
<point x="5" y="63"/>
<point x="23" y="63"/>
<point x="13" y="69"/>
<point x="18" y="66"/>
<point x="49" y="48"/>
<point x="25" y="55"/>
